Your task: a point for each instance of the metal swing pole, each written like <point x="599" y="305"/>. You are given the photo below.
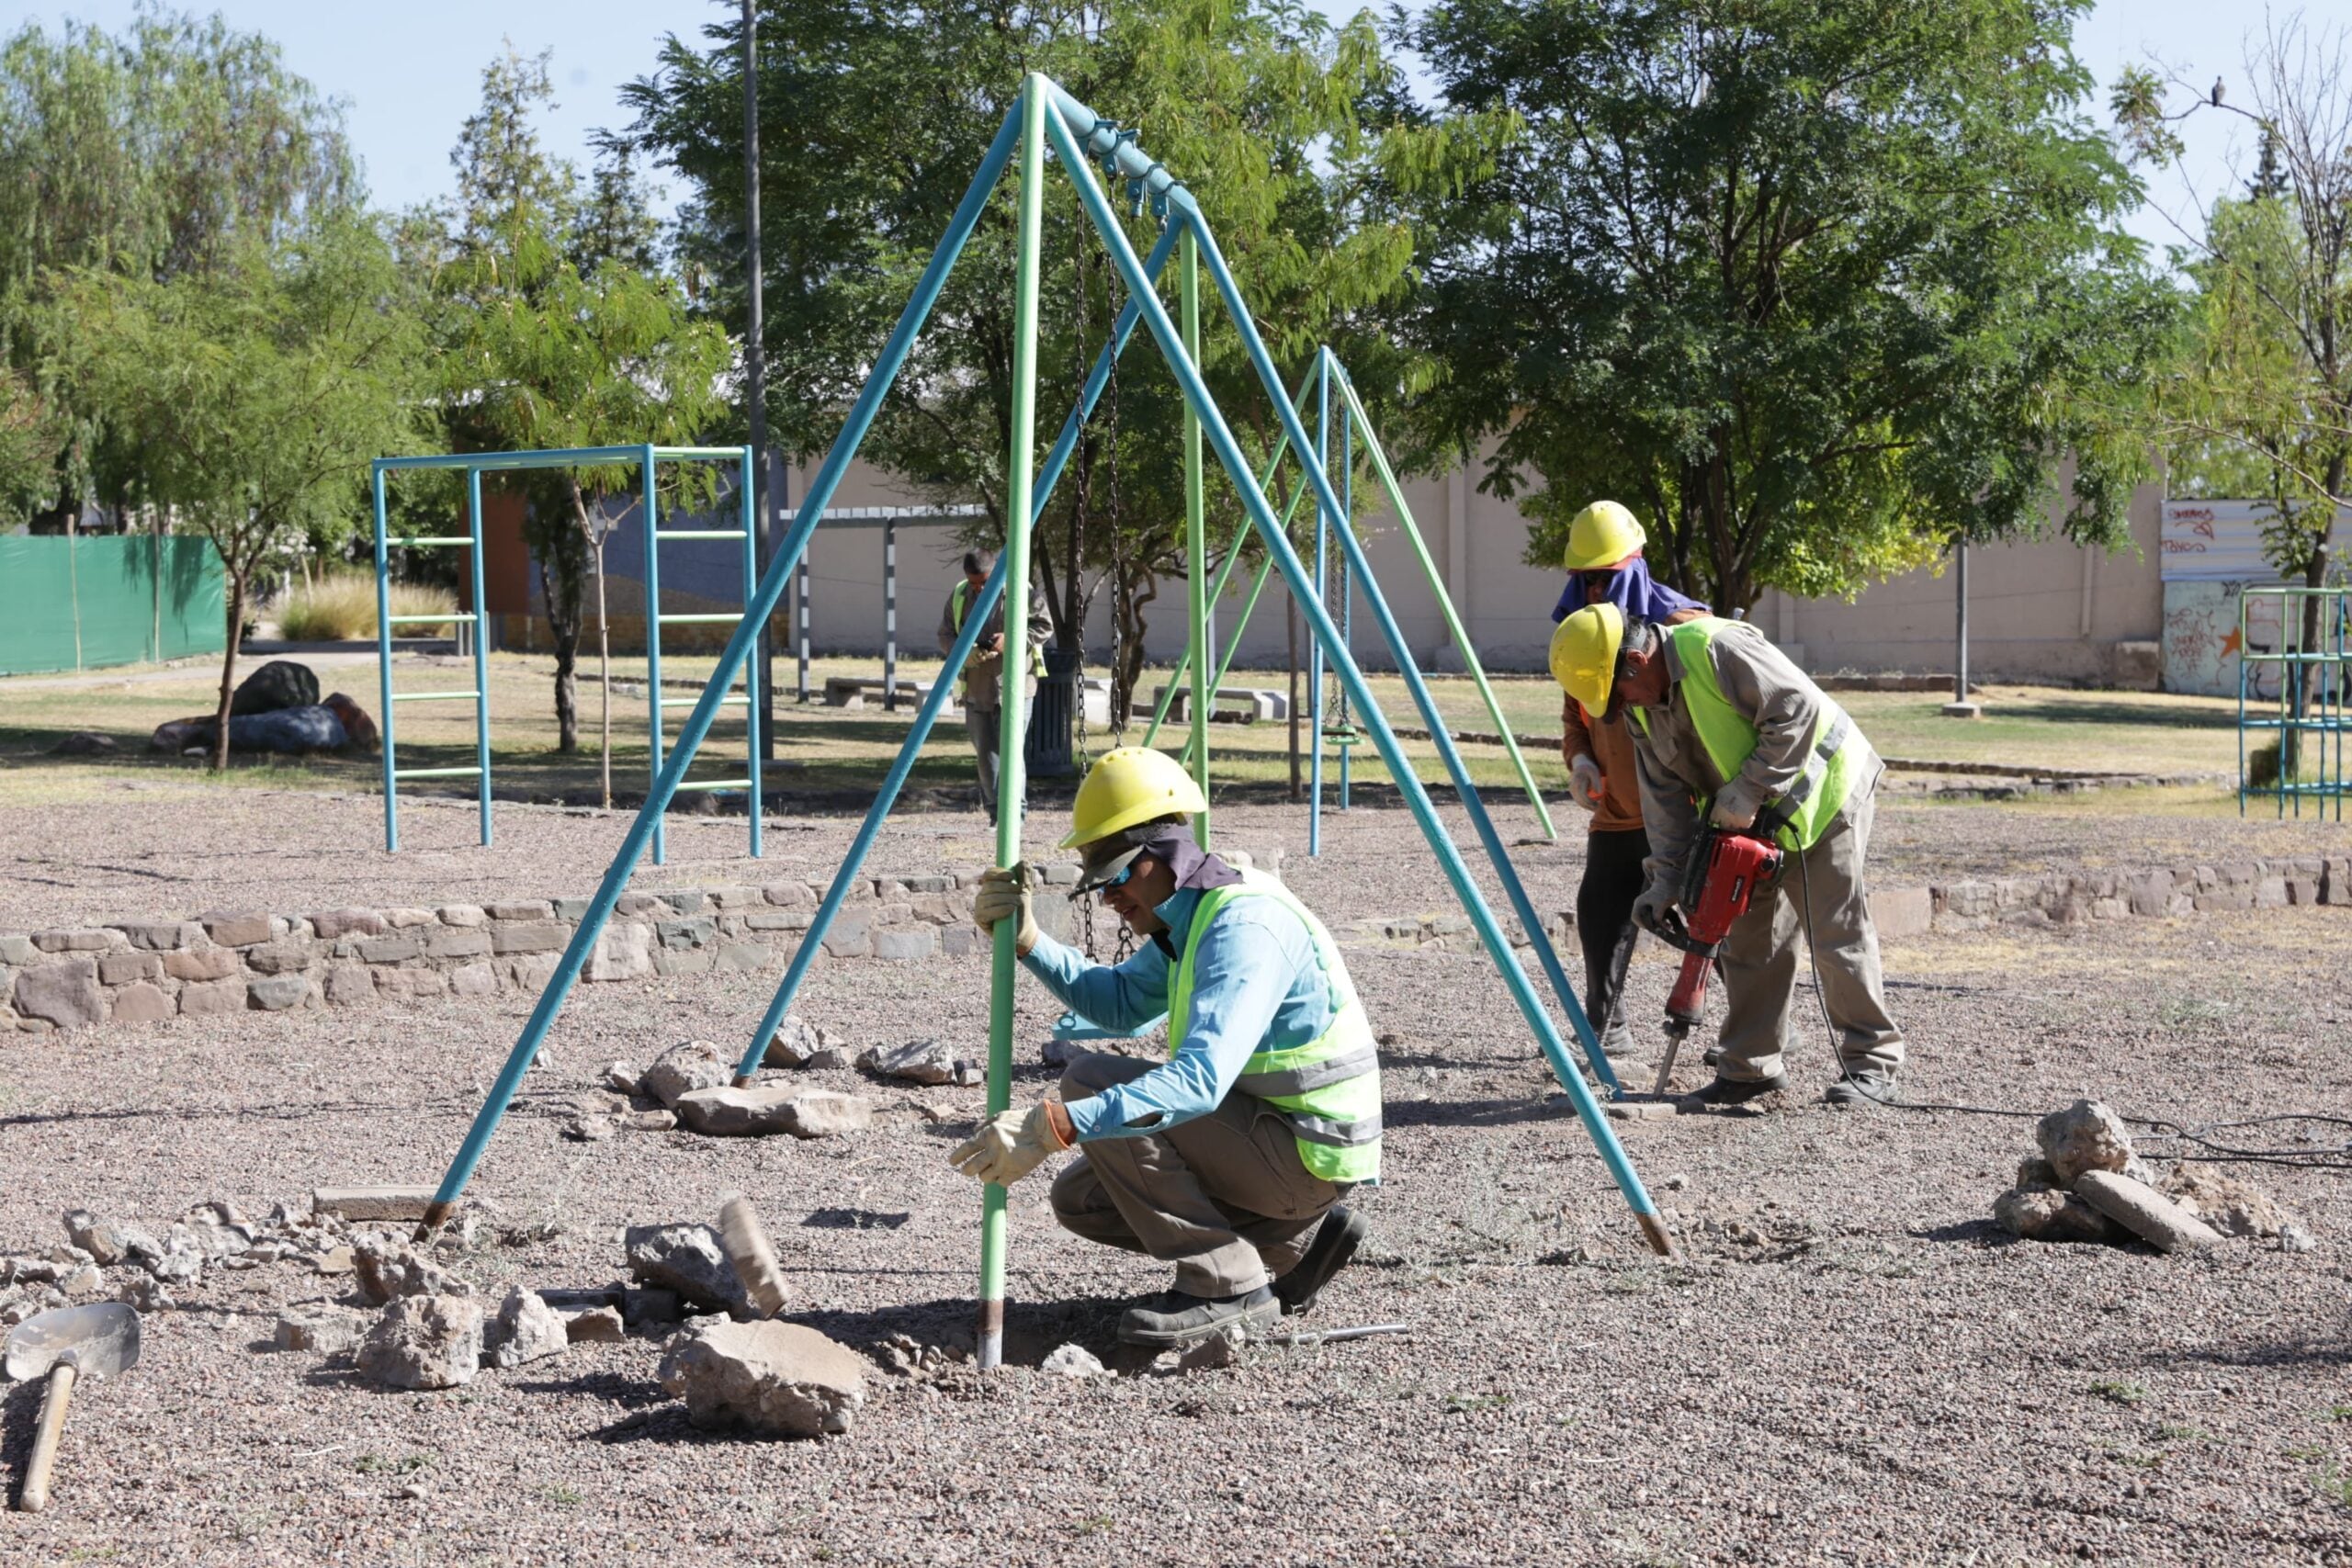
<point x="1196" y="599"/>
<point x="1358" y="418"/>
<point x="1010" y="783"/>
<point x="887" y="366"/>
<point x="1228" y="451"/>
<point x="1322" y="579"/>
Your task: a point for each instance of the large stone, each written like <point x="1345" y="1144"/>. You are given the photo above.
<point x="207" y="963"/>
<point x="2145" y="1212"/>
<point x="526" y="1329"/>
<point x="779" y="1378"/>
<point x="332" y="923"/>
<point x="689" y="1260"/>
<point x="124" y="968"/>
<point x="378" y="1203"/>
<point x="237" y="928"/>
<point x="424" y="1342"/>
<point x="2085" y="1136"/>
<point x="63" y="992"/>
<point x="143" y="1003"/>
<point x="2231" y="1204"/>
<point x="546" y="936"/>
<point x="2044" y="1213"/>
<point x="276" y="993"/>
<point x="681" y="1069"/>
<point x="386" y="1269"/>
<point x="917" y="1061"/>
<point x="624" y="951"/>
<point x="729" y="1112"/>
<point x="594" y="1325"/>
<point x="98" y="1237"/>
<point x="316" y="1326"/>
<point x="1074" y="1362"/>
<point x="281" y="683"/>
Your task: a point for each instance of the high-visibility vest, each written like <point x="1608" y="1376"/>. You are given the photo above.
<point x="1328" y="1089"/>
<point x="1814" y="800"/>
<point x="963" y="596"/>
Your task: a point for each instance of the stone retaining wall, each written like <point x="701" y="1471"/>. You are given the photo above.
<point x="236" y="960"/>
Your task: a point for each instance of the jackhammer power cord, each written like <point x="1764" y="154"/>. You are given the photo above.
<point x="2335" y="1158"/>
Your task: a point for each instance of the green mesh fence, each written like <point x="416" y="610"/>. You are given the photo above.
<point x="82" y="603"/>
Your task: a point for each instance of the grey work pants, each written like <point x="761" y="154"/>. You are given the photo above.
<point x="986" y="727"/>
<point x="1223" y="1197"/>
<point x="1762" y="962"/>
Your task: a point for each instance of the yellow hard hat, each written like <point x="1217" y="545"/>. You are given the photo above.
<point x="1127" y="785"/>
<point x="1601" y="535"/>
<point x="1584" y="654"/>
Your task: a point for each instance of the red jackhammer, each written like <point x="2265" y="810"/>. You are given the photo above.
<point x="1721" y="877"/>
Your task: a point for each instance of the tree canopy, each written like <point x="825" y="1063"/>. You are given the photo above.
<point x="1815" y="285"/>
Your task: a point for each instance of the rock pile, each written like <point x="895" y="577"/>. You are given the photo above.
<point x="694" y="1083"/>
<point x="776" y="1378"/>
<point x="2086" y="1184"/>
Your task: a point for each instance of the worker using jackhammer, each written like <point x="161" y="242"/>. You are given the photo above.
<point x="1726" y="728"/>
<point x="1605" y="566"/>
<point x="1231" y="1158"/>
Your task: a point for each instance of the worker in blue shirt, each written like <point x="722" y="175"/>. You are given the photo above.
<point x="1229" y="1159"/>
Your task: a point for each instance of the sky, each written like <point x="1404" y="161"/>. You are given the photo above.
<point x="408" y="84"/>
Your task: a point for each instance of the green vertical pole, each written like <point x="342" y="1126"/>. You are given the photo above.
<point x="1196" y="534"/>
<point x="1012" y="787"/>
<point x="1387" y="477"/>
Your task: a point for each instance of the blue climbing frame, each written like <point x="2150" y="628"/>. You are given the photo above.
<point x="645" y="457"/>
<point x="1071" y="126"/>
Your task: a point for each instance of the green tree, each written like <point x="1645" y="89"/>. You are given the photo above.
<point x="1274" y="119"/>
<point x="1817" y="286"/>
<point x="256" y="390"/>
<point x="2260" y="405"/>
<point x="30" y="436"/>
<point x="157" y="153"/>
<point x="554" y="335"/>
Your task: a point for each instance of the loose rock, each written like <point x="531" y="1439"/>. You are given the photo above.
<point x="1208" y="1355"/>
<point x="795" y="1042"/>
<point x="2231" y="1204"/>
<point x="595" y="1325"/>
<point x="2035" y="1171"/>
<point x="2146" y="1213"/>
<point x="387" y="1268"/>
<point x="681" y="1069"/>
<point x="780" y="1378"/>
<point x="590" y="1129"/>
<point x="917" y="1061"/>
<point x="621" y="1077"/>
<point x="1074" y="1362"/>
<point x="772" y="1109"/>
<point x="327" y="1330"/>
<point x="2085" y="1136"/>
<point x="689" y="1260"/>
<point x="526" y="1329"/>
<point x="424" y="1342"/>
<point x="2045" y="1213"/>
<point x="96" y="1237"/>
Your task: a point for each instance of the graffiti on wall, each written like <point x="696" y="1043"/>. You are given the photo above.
<point x="2201" y="639"/>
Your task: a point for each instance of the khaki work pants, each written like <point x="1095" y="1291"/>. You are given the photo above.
<point x="1223" y="1197"/>
<point x="1761" y="958"/>
<point x="986" y="727"/>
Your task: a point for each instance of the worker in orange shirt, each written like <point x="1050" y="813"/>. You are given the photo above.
<point x="1605" y="566"/>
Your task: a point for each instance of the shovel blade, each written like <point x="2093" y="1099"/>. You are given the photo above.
<point x="103" y="1340"/>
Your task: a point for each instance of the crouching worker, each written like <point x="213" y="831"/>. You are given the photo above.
<point x="1229" y="1159"/>
<point x="1726" y="730"/>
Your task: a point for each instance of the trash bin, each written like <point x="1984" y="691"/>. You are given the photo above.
<point x="1047" y="754"/>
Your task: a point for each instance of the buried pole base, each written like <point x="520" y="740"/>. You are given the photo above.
<point x="1963" y="710"/>
<point x="989" y="1349"/>
<point x="437" y="1215"/>
<point x="1654" y="1232"/>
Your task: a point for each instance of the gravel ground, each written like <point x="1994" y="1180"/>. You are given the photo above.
<point x="1850" y="1364"/>
<point x="147" y="849"/>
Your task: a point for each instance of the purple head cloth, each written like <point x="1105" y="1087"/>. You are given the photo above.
<point x="1632" y="589"/>
<point x="1192" y="866"/>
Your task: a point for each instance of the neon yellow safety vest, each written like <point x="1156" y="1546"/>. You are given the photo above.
<point x="963" y="596"/>
<point x="1328" y="1089"/>
<point x="1813" y="802"/>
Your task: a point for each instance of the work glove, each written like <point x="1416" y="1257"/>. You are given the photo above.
<point x="1649" y="909"/>
<point x="1732" y="813"/>
<point x="1004" y="894"/>
<point x="1009" y="1146"/>
<point x="1584" y="781"/>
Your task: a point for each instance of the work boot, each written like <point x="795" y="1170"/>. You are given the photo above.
<point x="1862" y="1086"/>
<point x="1725" y="1092"/>
<point x="1617" y="1038"/>
<point x="1177" y="1318"/>
<point x="1336" y="1240"/>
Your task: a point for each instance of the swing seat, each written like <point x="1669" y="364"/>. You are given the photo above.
<point x="1076" y="1027"/>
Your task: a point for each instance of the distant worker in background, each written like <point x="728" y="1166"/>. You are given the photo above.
<point x="1605" y="566"/>
<point x="984" y="671"/>
<point x="1727" y="730"/>
<point x="1229" y="1159"/>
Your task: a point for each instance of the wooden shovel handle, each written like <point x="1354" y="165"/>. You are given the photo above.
<point x="53" y="1401"/>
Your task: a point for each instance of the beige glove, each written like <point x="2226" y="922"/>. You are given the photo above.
<point x="1010" y="1145"/>
<point x="1004" y="893"/>
<point x="1650" y="908"/>
<point x="1584" y="781"/>
<point x="1733" y="815"/>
